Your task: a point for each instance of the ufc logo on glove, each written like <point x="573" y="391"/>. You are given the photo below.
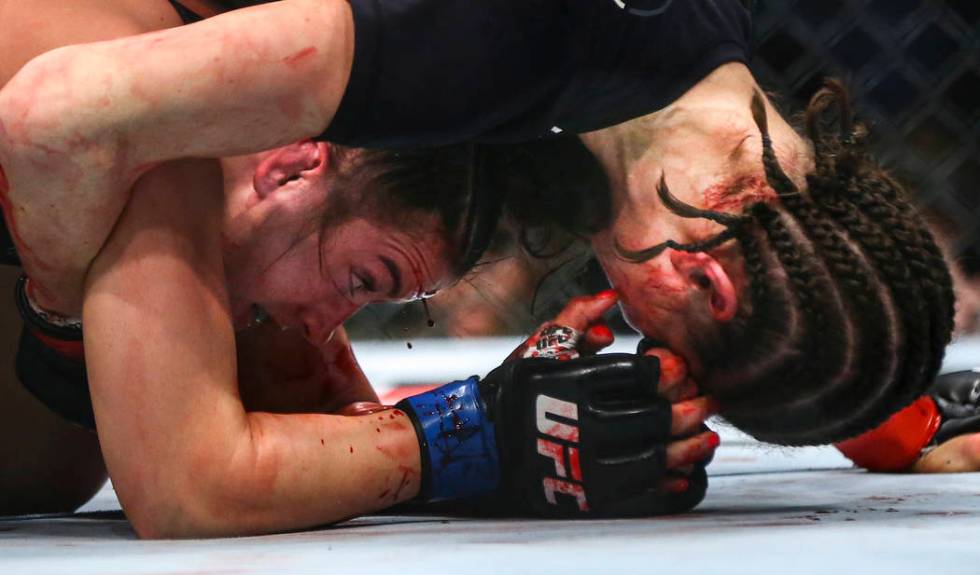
<point x="566" y="457"/>
<point x="536" y="428"/>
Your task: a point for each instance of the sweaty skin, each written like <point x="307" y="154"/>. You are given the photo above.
<point x="228" y="471"/>
<point x="705" y="147"/>
<point x="84" y="164"/>
<point x="324" y="380"/>
<point x="186" y="455"/>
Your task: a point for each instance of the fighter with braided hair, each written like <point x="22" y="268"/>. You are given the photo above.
<point x="804" y="291"/>
<point x="173" y="261"/>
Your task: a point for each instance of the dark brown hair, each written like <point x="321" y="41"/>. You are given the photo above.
<point x="555" y="190"/>
<point x="397" y="186"/>
<point x="851" y="302"/>
<point x="849" y="292"/>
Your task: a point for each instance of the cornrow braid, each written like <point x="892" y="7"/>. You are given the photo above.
<point x="917" y="248"/>
<point x="895" y="283"/>
<point x="867" y="285"/>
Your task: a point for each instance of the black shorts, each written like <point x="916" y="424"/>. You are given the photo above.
<point x="8" y="253"/>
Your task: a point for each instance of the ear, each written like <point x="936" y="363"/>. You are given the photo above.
<point x="705" y="273"/>
<point x="289" y="163"/>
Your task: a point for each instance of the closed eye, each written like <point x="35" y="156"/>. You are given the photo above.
<point x="360" y="281"/>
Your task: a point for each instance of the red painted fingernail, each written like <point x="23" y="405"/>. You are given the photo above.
<point x="606" y="294"/>
<point x="602" y="331"/>
<point x="713" y="440"/>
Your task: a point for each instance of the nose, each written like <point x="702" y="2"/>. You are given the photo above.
<point x="320" y="321"/>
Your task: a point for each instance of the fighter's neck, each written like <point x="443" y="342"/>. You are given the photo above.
<point x="728" y="85"/>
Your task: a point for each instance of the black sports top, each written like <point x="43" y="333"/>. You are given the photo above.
<point x="430" y="72"/>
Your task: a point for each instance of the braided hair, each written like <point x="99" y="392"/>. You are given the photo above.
<point x="849" y="292"/>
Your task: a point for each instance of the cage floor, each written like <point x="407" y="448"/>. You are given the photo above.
<point x="802" y="511"/>
<point x="768" y="510"/>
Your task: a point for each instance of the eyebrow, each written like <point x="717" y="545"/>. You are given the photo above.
<point x="736" y="151"/>
<point x="396" y="276"/>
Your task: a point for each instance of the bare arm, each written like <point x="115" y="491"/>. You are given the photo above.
<point x="244" y="81"/>
<point x="79" y="124"/>
<point x="185" y="457"/>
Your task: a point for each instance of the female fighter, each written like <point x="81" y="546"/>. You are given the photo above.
<point x="806" y="293"/>
<point x="167" y="260"/>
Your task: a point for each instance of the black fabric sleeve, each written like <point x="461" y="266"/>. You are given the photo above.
<point x="441" y="71"/>
<point x="431" y="72"/>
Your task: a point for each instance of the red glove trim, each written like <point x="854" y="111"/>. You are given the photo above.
<point x="896" y="444"/>
<point x="70" y="349"/>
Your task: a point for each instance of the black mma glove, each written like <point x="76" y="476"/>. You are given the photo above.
<point x="957" y="396"/>
<point x="50" y="361"/>
<point x="950" y="408"/>
<point x="580" y="438"/>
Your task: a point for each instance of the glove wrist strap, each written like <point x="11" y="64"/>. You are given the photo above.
<point x="457" y="440"/>
<point x="897" y="443"/>
<point x="59" y="333"/>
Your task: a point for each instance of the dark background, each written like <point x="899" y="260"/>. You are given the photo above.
<point x="913" y="67"/>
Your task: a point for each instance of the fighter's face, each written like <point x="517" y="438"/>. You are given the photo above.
<point x="709" y="163"/>
<point x="286" y="256"/>
<point x="325" y="277"/>
<point x="677" y="297"/>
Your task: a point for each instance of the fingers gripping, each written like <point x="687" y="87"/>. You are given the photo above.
<point x="582" y="312"/>
<point x="601" y="441"/>
<point x="578" y="330"/>
<point x="674" y="384"/>
<point x="691" y="451"/>
<point x="687" y="417"/>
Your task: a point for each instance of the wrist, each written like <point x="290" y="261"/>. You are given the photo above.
<point x="458" y="444"/>
<point x="60" y="333"/>
<point x="896" y="444"/>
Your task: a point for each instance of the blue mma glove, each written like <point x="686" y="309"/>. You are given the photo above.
<point x="580" y="438"/>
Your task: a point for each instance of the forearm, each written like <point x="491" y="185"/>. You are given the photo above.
<point x="241" y="82"/>
<point x="184" y="456"/>
<point x="301" y="470"/>
<point x="62" y="206"/>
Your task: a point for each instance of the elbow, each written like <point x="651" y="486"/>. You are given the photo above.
<point x="185" y="515"/>
<point x="212" y="495"/>
<point x="174" y="502"/>
<point x="172" y="515"/>
<point x="46" y="115"/>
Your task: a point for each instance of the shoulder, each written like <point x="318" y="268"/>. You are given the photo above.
<point x="32" y="28"/>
